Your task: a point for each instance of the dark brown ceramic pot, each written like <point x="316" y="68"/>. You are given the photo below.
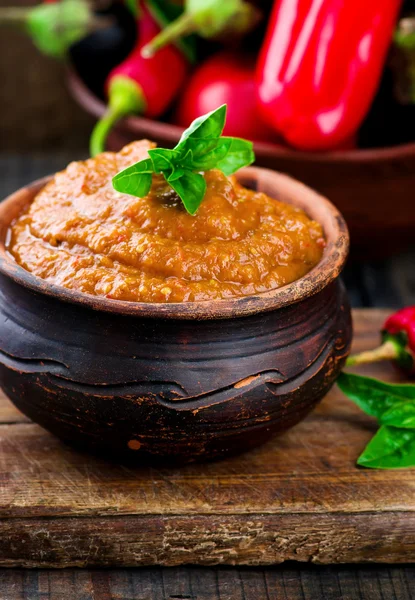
<point x="190" y="381"/>
<point x="371" y="188"/>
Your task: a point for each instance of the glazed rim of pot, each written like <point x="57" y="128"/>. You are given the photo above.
<point x="274" y="184"/>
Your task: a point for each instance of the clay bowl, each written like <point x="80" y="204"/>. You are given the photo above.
<point x="178" y="382"/>
<point x="371" y="188"/>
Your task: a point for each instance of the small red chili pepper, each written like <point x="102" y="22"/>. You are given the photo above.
<point x="141" y="85"/>
<point x="398" y="342"/>
<point x="225" y="78"/>
<point x="320" y="66"/>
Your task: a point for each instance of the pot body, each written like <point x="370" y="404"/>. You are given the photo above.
<point x="181" y="390"/>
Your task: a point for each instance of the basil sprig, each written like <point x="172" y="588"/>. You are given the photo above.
<point x="393" y="405"/>
<point x="201" y="148"/>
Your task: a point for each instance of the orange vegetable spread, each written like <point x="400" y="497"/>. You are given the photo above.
<point x="81" y="234"/>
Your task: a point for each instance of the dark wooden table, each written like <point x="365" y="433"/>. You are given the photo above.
<point x="285" y="582"/>
<point x="388" y="283"/>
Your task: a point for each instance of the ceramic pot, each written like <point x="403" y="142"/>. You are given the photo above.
<point x="179" y="382"/>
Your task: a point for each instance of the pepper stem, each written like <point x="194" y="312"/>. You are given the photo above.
<point x="213" y="18"/>
<point x="182" y="26"/>
<point x="387" y="351"/>
<point x="403" y="61"/>
<point x="14" y="15"/>
<point x="125" y="97"/>
<point x="53" y="27"/>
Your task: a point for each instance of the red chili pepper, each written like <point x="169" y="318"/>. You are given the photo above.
<point x="320" y="66"/>
<point x="398" y="342"/>
<point x="141" y="85"/>
<point x="225" y="78"/>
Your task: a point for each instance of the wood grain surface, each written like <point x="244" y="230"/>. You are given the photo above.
<point x="284" y="582"/>
<point x="300" y="497"/>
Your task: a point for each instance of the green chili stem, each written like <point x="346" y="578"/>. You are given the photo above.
<point x="387" y="351"/>
<point x="184" y="25"/>
<point x="133" y="7"/>
<point x="14" y="15"/>
<point x="101" y="131"/>
<point x="125" y="98"/>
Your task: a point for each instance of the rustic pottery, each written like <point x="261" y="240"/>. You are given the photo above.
<point x="184" y="382"/>
<point x="371" y="188"/>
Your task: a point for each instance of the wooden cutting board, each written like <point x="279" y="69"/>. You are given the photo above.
<point x="300" y="497"/>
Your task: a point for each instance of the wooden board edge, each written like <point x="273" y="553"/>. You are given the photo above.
<point x="122" y="541"/>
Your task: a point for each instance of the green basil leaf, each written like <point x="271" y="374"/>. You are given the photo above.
<point x="197" y="147"/>
<point x="200" y="148"/>
<point x="205" y="128"/>
<point x="373" y="396"/>
<point x="400" y="415"/>
<point x="186" y="157"/>
<point x="163" y="159"/>
<point x="191" y="187"/>
<point x="209" y="160"/>
<point x="390" y="448"/>
<point x="240" y="154"/>
<point x="176" y="174"/>
<point x="135" y="180"/>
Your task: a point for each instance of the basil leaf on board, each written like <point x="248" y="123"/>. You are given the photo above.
<point x="135" y="180"/>
<point x="240" y="154"/>
<point x="390" y="448"/>
<point x="400" y="415"/>
<point x="191" y="187"/>
<point x="200" y="148"/>
<point x="393" y="446"/>
<point x="372" y="396"/>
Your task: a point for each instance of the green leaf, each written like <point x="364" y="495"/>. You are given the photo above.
<point x="209" y="160"/>
<point x="191" y="187"/>
<point x="372" y="396"/>
<point x="186" y="157"/>
<point x="240" y="154"/>
<point x="390" y="448"/>
<point x="135" y="180"/>
<point x="176" y="174"/>
<point x="205" y="128"/>
<point x="200" y="148"/>
<point x="163" y="159"/>
<point x="400" y="415"/>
